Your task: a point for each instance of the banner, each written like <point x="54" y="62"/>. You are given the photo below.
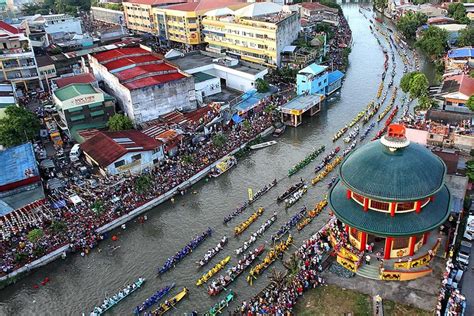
<point x="250" y="194"/>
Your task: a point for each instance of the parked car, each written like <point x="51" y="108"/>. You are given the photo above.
<point x="49" y="108"/>
<point x="464" y="253"/>
<point x="75" y="153"/>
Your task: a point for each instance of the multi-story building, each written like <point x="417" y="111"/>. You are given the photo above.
<point x="181" y="23"/>
<point x="145" y="85"/>
<point x="256" y="33"/>
<point x="139" y="14"/>
<point x="17" y="59"/>
<point x="312" y="80"/>
<point x="455" y="91"/>
<point x="459" y="59"/>
<point x="313" y="11"/>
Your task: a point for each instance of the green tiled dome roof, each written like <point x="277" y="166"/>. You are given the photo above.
<point x="407" y="174"/>
<point x="348" y="211"/>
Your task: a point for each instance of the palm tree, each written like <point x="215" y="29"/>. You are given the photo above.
<point x="277" y="278"/>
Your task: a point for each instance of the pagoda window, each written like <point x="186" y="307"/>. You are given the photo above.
<point x="379" y="206"/>
<point x="400" y="243"/>
<point x="405" y="206"/>
<point x="358" y="198"/>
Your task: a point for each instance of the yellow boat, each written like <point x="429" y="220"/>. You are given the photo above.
<point x="218" y="267"/>
<point x="239" y="229"/>
<point x="169" y="304"/>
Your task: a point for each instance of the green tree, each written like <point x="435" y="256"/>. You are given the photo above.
<point x="98" y="207"/>
<point x="35" y="234"/>
<point x="18" y="126"/>
<point x="143" y="183"/>
<point x="246" y="125"/>
<point x="262" y="85"/>
<point x="58" y="226"/>
<point x="380" y="4"/>
<point x="331" y="4"/>
<point x="457" y="11"/>
<point x="424" y="103"/>
<point x="433" y="41"/>
<point x="219" y="140"/>
<point x="187" y="159"/>
<point x="405" y="81"/>
<point x="466" y="37"/>
<point x="119" y="122"/>
<point x="470" y="103"/>
<point x="410" y="22"/>
<point x="419" y="86"/>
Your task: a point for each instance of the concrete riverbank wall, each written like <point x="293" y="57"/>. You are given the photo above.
<point x="13" y="276"/>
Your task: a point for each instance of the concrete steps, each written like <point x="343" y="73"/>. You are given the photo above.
<point x="369" y="271"/>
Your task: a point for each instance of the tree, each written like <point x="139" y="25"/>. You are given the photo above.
<point x="470" y="103"/>
<point x="380" y="4"/>
<point x="466" y="37"/>
<point x="58" y="226"/>
<point x="457" y="11"/>
<point x="410" y="22"/>
<point x="419" y="86"/>
<point x="98" y="207"/>
<point x="246" y="125"/>
<point x="424" y="103"/>
<point x="35" y="234"/>
<point x="119" y="122"/>
<point x="405" y="81"/>
<point x="262" y="85"/>
<point x="18" y="126"/>
<point x="143" y="183"/>
<point x="433" y="41"/>
<point x="219" y="140"/>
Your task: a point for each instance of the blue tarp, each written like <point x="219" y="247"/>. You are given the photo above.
<point x="335" y="76"/>
<point x="236" y="118"/>
<point x="461" y="52"/>
<point x="58" y="204"/>
<point x="17" y="164"/>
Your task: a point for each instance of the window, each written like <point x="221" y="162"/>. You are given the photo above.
<point x="119" y="163"/>
<point x="97" y="113"/>
<point x="78" y="117"/>
<point x="382" y="206"/>
<point x="136" y="157"/>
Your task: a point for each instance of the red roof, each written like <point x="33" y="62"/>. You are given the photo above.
<point x="119" y="63"/>
<point x="204" y="5"/>
<point x="113" y="54"/>
<point x="82" y="78"/>
<point x="9" y="28"/>
<point x="107" y="147"/>
<point x="153" y="80"/>
<point x="156" y="2"/>
<point x="466" y="83"/>
<point x="131" y="73"/>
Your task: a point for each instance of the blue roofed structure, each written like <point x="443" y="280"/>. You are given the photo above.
<point x="312" y="79"/>
<point x="465" y="52"/>
<point x="334" y="81"/>
<point x="313" y="69"/>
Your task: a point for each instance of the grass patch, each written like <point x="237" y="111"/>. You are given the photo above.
<point x="333" y="300"/>
<point x="390" y="308"/>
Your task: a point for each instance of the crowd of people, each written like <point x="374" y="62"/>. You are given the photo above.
<point x="342" y="40"/>
<point x="450" y="299"/>
<point x="74" y="222"/>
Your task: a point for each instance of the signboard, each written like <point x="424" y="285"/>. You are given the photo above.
<point x="81" y="100"/>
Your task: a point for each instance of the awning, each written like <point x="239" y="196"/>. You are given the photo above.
<point x="58" y="204"/>
<point x="236" y="118"/>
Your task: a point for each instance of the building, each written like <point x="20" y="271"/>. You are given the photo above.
<point x="334" y="81"/>
<point x="107" y="16"/>
<point x="86" y="77"/>
<point x="17" y="59"/>
<point x="145" y="85"/>
<point x="7" y="97"/>
<point x="181" y="23"/>
<point x="316" y="12"/>
<point x="391" y="195"/>
<point x="82" y="106"/>
<point x="453" y="31"/>
<point x="46" y="68"/>
<point x="257" y="33"/>
<point x="429" y="9"/>
<point x="120" y="152"/>
<point x="469" y="10"/>
<point x="459" y="59"/>
<point x="455" y="91"/>
<point x="299" y="57"/>
<point x="312" y="80"/>
<point x="139" y="14"/>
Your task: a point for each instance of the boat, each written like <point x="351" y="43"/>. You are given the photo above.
<point x="152" y="300"/>
<point x="253" y="238"/>
<point x="367" y="131"/>
<point x="112" y="301"/>
<point x="303" y="163"/>
<point x="239" y="229"/>
<point x="290" y="191"/>
<point x="349" y="149"/>
<point x="221" y="305"/>
<point x="218" y="267"/>
<point x="171" y="303"/>
<point x="310" y="215"/>
<point x="222" y="282"/>
<point x="330" y="167"/>
<point x="263" y="145"/>
<point x="236" y="212"/>
<point x="224" y="165"/>
<point x="327" y="159"/>
<point x="285" y="228"/>
<point x="262" y="191"/>
<point x="339" y="133"/>
<point x="211" y="253"/>
<point x="295" y="197"/>
<point x="333" y="180"/>
<point x="180" y="255"/>
<point x="279" y="130"/>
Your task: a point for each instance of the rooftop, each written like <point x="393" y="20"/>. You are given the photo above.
<point x="18" y="164"/>
<point x="74" y="90"/>
<point x="334" y="76"/>
<point x="313" y="6"/>
<point x="9" y="28"/>
<point x="107" y="147"/>
<point x="82" y="78"/>
<point x="202" y="76"/>
<point x="406" y="174"/>
<point x="452" y="27"/>
<point x="313" y="69"/>
<point x="155" y="2"/>
<point x="259" y="9"/>
<point x="463" y="84"/>
<point x="301" y="103"/>
<point x="461" y="52"/>
<point x="205" y="5"/>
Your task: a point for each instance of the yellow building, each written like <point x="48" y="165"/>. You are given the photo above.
<point x="256" y="33"/>
<point x="139" y="14"/>
<point x="182" y="22"/>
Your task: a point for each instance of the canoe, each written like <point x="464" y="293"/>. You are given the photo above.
<point x="213" y="252"/>
<point x="263" y="145"/>
<point x="220" y="306"/>
<point x="239" y="229"/>
<point x="218" y="267"/>
<point x="153" y="299"/>
<point x="171" y="303"/>
<point x="290" y="191"/>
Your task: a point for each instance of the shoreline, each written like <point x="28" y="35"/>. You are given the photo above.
<point x="15" y="275"/>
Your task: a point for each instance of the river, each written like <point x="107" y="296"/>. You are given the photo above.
<point x="79" y="283"/>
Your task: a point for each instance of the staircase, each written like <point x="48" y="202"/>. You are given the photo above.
<point x="369" y="271"/>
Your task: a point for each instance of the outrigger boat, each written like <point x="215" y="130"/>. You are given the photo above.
<point x="318" y="208"/>
<point x="303" y="163"/>
<point x="284" y="229"/>
<point x="290" y="191"/>
<point x="239" y="229"/>
<point x="223" y="281"/>
<point x="211" y="253"/>
<point x="255" y="235"/>
<point x="220" y="306"/>
<point x="169" y="304"/>
<point x="110" y="302"/>
<point x="218" y="267"/>
<point x="224" y="165"/>
<point x="152" y="300"/>
<point x="263" y="145"/>
<point x="193" y="244"/>
<point x="296" y="197"/>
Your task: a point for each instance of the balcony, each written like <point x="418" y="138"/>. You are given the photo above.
<point x="19" y="76"/>
<point x="15" y="52"/>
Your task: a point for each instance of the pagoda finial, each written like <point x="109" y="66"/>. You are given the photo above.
<point x="395" y="137"/>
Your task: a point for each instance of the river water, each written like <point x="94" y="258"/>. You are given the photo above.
<point x="79" y="283"/>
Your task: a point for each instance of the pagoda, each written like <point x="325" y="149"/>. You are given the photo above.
<point x="390" y="195"/>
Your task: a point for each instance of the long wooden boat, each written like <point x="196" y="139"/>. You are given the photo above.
<point x="253" y="238"/>
<point x="327" y="159"/>
<point x="285" y="228"/>
<point x="263" y="145"/>
<point x="224" y="280"/>
<point x="239" y="229"/>
<point x="211" y="253"/>
<point x="290" y="191"/>
<point x="112" y="301"/>
<point x="318" y="208"/>
<point x="295" y="197"/>
<point x="330" y="167"/>
<point x="303" y="163"/>
<point x="218" y="267"/>
<point x="262" y="191"/>
<point x="221" y="305"/>
<point x="171" y="303"/>
<point x="152" y="300"/>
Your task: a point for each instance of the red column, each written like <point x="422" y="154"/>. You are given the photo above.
<point x="411" y="245"/>
<point x="347" y="228"/>
<point x="388" y="247"/>
<point x="366" y="204"/>
<point x="349" y="194"/>
<point x="392" y="209"/>
<point x="363" y="241"/>
<point x="425" y="237"/>
<point x="417" y="206"/>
